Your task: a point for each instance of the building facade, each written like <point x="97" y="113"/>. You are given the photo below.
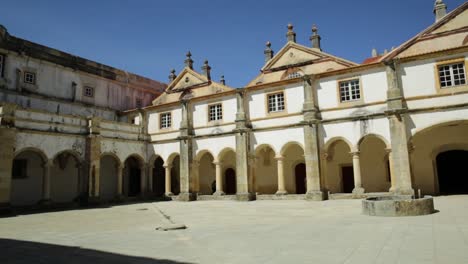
<point x="310" y="126"/>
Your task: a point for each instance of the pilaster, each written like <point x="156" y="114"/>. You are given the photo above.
<point x="186" y="155"/>
<point x="93" y="158"/>
<point x="7" y="152"/>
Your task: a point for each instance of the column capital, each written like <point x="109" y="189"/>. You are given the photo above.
<point x="355" y="153"/>
<point x="167" y="166"/>
<point x="217" y="162"/>
<point x="279" y="157"/>
<point x="48" y="163"/>
<point x="388" y="150"/>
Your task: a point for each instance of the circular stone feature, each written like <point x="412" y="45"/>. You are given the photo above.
<point x="397" y="206"/>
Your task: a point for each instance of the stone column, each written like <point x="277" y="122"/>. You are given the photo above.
<point x="253" y="180"/>
<point x="311" y="146"/>
<point x="143" y="180"/>
<point x="150" y="177"/>
<point x="242" y="132"/>
<point x="186" y="155"/>
<point x="7" y="152"/>
<point x="120" y="169"/>
<point x="357" y="174"/>
<point x="93" y="159"/>
<point x="219" y="178"/>
<point x="168" y="191"/>
<point x="47" y="166"/>
<point x="396" y="114"/>
<point x="392" y="176"/>
<point x="281" y="180"/>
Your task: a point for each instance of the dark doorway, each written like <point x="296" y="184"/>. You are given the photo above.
<point x="175" y="176"/>
<point x="134" y="182"/>
<point x="230" y="176"/>
<point x="300" y="172"/>
<point x="159" y="177"/>
<point x="452" y="172"/>
<point x="347" y="175"/>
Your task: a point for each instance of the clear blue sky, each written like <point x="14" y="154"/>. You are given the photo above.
<point x="150" y="37"/>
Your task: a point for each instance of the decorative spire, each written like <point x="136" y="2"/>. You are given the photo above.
<point x="268" y="52"/>
<point x="315" y="38"/>
<point x="172" y="76"/>
<point x="440" y="9"/>
<point x="206" y="69"/>
<point x="222" y="81"/>
<point x="291" y="35"/>
<point x="188" y="61"/>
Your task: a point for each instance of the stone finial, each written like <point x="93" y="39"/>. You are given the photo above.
<point x="222" y="81"/>
<point x="374" y="53"/>
<point x="206" y="69"/>
<point x="315" y="38"/>
<point x="440" y="9"/>
<point x="188" y="61"/>
<point x="268" y="52"/>
<point x="172" y="76"/>
<point x="291" y="35"/>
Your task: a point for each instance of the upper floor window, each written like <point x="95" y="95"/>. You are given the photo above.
<point x="165" y="120"/>
<point x="138" y="103"/>
<point x="293" y="75"/>
<point x="30" y="77"/>
<point x="452" y="74"/>
<point x="2" y="61"/>
<point x="276" y="102"/>
<point x="350" y="90"/>
<point x="215" y="112"/>
<point x="88" y="91"/>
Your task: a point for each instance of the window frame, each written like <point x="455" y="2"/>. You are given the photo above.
<point x="349" y="102"/>
<point x="454" y="88"/>
<point x="161" y="127"/>
<point x="220" y="119"/>
<point x="267" y="103"/>
<point x="91" y="89"/>
<point x="26" y="73"/>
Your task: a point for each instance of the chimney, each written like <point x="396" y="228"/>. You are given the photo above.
<point x="374" y="53"/>
<point x="206" y="69"/>
<point x="291" y="35"/>
<point x="315" y="38"/>
<point x="172" y="76"/>
<point x="440" y="9"/>
<point x="222" y="81"/>
<point x="268" y="52"/>
<point x="188" y="61"/>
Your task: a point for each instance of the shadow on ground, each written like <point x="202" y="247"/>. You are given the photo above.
<point x="19" y="252"/>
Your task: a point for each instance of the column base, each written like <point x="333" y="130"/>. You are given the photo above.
<point x="245" y="197"/>
<point x="358" y="190"/>
<point x="187" y="197"/>
<point x="281" y="192"/>
<point x="169" y="194"/>
<point x="219" y="193"/>
<point x="314" y="196"/>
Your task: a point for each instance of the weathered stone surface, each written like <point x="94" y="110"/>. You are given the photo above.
<point x="397" y="206"/>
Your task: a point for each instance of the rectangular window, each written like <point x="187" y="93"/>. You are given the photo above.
<point x="276" y="102"/>
<point x="29" y="77"/>
<point x="215" y="112"/>
<point x="349" y="90"/>
<point x="88" y="91"/>
<point x="139" y="103"/>
<point x="165" y="120"/>
<point x="2" y="61"/>
<point x="452" y="74"/>
<point x="19" y="169"/>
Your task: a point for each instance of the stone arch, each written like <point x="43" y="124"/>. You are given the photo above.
<point x="334" y="140"/>
<point x="206" y="172"/>
<point x="133" y="175"/>
<point x="381" y="138"/>
<point x="227" y="159"/>
<point x="266" y="172"/>
<point x="171" y="158"/>
<point x="158" y="180"/>
<point x="293" y="154"/>
<point x="110" y="165"/>
<point x="338" y="168"/>
<point x="28" y="177"/>
<point x="67" y="177"/>
<point x="173" y="165"/>
<point x="425" y="146"/>
<point x="374" y="163"/>
<point x="223" y="152"/>
<point x="289" y="144"/>
<point x="428" y="128"/>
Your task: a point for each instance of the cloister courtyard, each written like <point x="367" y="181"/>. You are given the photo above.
<point x="290" y="231"/>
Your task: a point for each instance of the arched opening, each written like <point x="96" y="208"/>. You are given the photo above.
<point x="159" y="177"/>
<point x="230" y="181"/>
<point x="108" y="175"/>
<point x="132" y="177"/>
<point x="175" y="175"/>
<point x="339" y="168"/>
<point x="65" y="178"/>
<point x="452" y="173"/>
<point x="375" y="175"/>
<point x="266" y="172"/>
<point x="300" y="178"/>
<point x="293" y="155"/>
<point x="206" y="174"/>
<point x="27" y="178"/>
<point x="434" y="166"/>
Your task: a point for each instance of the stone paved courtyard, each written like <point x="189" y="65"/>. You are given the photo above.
<point x="238" y="232"/>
